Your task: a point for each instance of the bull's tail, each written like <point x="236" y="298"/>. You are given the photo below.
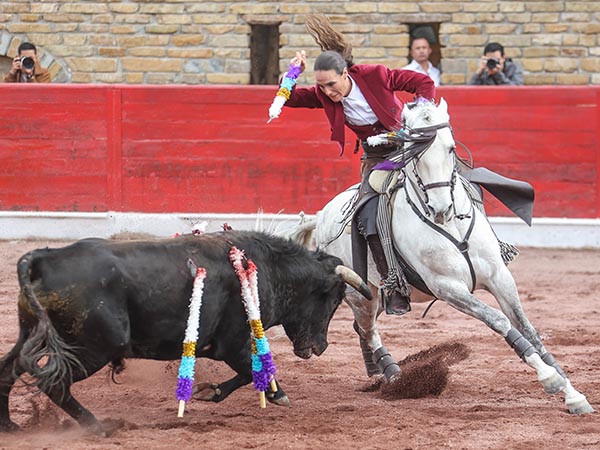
<point x="302" y="232"/>
<point x="44" y="355"/>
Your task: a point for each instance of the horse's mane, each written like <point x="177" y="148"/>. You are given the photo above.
<point x="419" y="103"/>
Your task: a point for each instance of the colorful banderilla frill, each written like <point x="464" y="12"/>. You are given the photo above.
<point x="284" y="92"/>
<point x="263" y="368"/>
<point x="185" y="380"/>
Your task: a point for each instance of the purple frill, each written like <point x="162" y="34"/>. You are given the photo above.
<point x="293" y="72"/>
<point x="184" y="389"/>
<point x="263" y="378"/>
<point x="388" y="165"/>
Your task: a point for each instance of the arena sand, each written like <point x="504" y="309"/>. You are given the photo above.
<point x="464" y="388"/>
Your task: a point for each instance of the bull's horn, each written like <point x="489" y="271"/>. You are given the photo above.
<point x="354" y="280"/>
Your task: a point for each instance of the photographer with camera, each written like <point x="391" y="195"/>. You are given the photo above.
<point x="496" y="69"/>
<point x="26" y="67"/>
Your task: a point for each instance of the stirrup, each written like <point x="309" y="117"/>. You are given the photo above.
<point x="395" y="303"/>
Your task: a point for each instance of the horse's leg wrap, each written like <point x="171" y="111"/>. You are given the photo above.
<point x="367" y="354"/>
<point x="552" y="381"/>
<point x="385" y="362"/>
<point x="548" y="358"/>
<point x="520" y="345"/>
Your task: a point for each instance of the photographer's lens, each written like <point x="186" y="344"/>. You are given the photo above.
<point x="492" y="63"/>
<point x="27" y="62"/>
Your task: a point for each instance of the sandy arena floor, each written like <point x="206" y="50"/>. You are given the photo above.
<point x="491" y="400"/>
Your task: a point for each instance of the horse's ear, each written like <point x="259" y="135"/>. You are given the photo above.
<point x="443" y="106"/>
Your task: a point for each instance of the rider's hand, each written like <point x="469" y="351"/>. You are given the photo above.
<point x="300" y="59"/>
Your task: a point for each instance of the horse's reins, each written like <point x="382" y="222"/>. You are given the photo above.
<point x="422" y="139"/>
<point x="462" y="246"/>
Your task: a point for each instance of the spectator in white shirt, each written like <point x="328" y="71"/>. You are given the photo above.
<point x="420" y="50"/>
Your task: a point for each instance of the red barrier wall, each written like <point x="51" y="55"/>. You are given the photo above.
<point x="208" y="149"/>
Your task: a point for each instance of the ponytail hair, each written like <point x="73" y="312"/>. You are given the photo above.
<point x="330" y="41"/>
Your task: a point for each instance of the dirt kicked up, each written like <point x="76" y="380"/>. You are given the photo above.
<point x="465" y="388"/>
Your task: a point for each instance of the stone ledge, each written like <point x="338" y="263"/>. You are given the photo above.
<point x="264" y="19"/>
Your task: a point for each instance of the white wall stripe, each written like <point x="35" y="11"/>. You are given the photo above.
<point x="545" y="232"/>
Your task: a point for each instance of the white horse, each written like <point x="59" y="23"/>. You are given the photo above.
<point x="448" y="243"/>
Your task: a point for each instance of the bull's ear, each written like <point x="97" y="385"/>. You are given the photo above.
<point x="320" y="255"/>
<point x="330" y="260"/>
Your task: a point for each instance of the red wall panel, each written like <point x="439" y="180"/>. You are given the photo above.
<point x="208" y="149"/>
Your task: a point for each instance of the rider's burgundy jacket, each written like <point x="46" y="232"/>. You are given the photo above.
<point x="378" y="84"/>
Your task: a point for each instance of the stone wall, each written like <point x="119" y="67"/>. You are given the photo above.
<point x="207" y="41"/>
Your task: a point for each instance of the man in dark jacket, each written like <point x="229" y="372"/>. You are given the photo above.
<point x="496" y="69"/>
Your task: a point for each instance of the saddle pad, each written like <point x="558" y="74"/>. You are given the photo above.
<point x="377" y="180"/>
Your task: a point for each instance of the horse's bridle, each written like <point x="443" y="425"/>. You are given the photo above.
<point x="424" y="137"/>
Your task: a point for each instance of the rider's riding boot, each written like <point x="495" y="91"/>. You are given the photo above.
<point x="394" y="302"/>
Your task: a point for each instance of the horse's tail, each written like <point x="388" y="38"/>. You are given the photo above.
<point x="45" y="355"/>
<point x="302" y="232"/>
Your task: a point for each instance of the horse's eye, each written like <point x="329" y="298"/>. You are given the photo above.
<point x="452" y="149"/>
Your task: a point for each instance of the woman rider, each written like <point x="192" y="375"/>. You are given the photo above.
<point x="361" y="97"/>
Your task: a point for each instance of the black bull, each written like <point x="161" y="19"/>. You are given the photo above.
<point x="97" y="302"/>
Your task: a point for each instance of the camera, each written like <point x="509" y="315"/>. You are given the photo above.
<point x="492" y="63"/>
<point x="27" y="62"/>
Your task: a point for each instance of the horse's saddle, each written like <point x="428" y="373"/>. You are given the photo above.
<point x="517" y="195"/>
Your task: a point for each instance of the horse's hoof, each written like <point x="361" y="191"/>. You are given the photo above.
<point x="394" y="377"/>
<point x="579" y="405"/>
<point x="553" y="384"/>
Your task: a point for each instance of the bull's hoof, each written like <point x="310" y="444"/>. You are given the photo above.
<point x="111" y="426"/>
<point x="7" y="426"/>
<point x="579" y="405"/>
<point x="207" y="392"/>
<point x="278" y="398"/>
<point x="91" y="426"/>
<point x="553" y="384"/>
<point x="97" y="430"/>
